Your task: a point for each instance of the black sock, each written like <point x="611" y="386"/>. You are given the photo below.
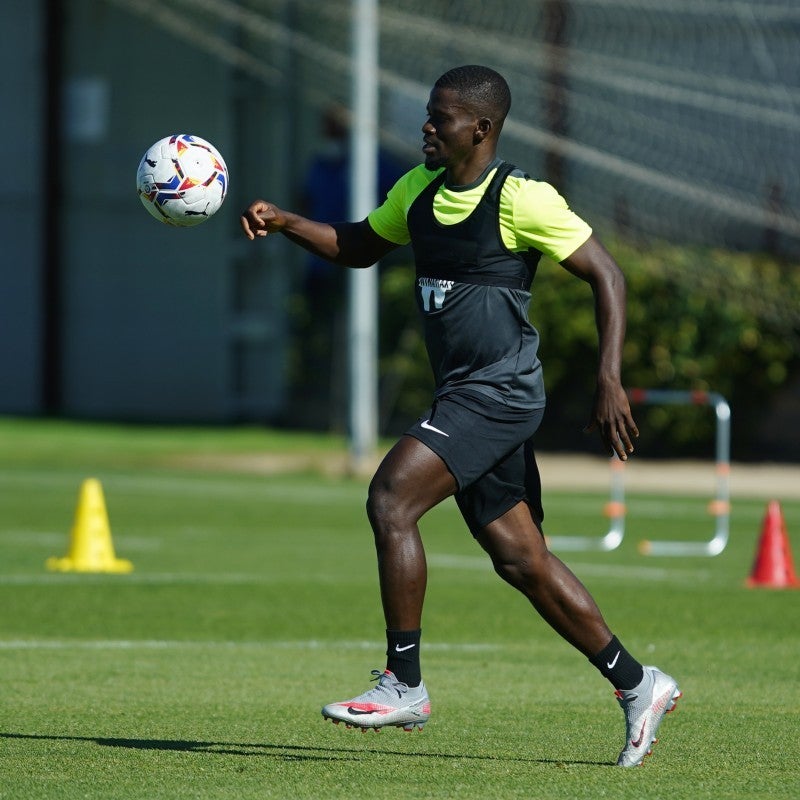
<point x="402" y="656"/>
<point x="618" y="666"/>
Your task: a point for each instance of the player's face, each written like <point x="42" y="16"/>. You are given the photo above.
<point x="448" y="132"/>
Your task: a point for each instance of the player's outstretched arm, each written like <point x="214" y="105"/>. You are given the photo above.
<point x="611" y="412"/>
<point x="351" y="244"/>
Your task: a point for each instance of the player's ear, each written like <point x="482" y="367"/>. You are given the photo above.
<point x="483" y="129"/>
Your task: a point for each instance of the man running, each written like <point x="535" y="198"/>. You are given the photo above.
<point x="478" y="226"/>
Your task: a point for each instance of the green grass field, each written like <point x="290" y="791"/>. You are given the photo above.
<point x="254" y="601"/>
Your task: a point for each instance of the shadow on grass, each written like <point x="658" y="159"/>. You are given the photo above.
<point x="284" y="752"/>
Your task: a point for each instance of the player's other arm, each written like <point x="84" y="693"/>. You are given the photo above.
<point x="351" y="244"/>
<point x="611" y="414"/>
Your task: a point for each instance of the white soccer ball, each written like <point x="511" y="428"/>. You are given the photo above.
<point x="182" y="180"/>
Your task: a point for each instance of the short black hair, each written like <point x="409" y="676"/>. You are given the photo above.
<point x="485" y="90"/>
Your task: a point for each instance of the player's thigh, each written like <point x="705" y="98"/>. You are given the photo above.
<point x="410" y="480"/>
<point x="514" y="538"/>
<point x="513" y="480"/>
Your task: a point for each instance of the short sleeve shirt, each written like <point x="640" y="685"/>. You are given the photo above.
<point x="532" y="213"/>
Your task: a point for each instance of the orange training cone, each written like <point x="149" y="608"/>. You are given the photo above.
<point x="773" y="566"/>
<point x="90" y="548"/>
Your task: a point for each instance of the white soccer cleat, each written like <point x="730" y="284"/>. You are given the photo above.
<point x="390" y="702"/>
<point x="645" y="707"/>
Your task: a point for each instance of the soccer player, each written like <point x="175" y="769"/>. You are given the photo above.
<point x="478" y="226"/>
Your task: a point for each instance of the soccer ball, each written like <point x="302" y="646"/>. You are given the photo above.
<point x="182" y="180"/>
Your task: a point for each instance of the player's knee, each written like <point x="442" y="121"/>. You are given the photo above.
<point x="522" y="573"/>
<point x="509" y="572"/>
<point x="386" y="509"/>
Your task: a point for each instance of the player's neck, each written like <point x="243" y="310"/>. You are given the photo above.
<point x="470" y="169"/>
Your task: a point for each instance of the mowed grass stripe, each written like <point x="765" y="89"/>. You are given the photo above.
<point x="267" y="488"/>
<point x="446" y="561"/>
<point x="645" y="574"/>
<point x="175" y="644"/>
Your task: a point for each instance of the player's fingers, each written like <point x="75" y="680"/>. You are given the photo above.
<point x="625" y="440"/>
<point x="618" y="446"/>
<point x="606" y="439"/>
<point x="626" y="430"/>
<point x="245" y="223"/>
<point x="613" y="437"/>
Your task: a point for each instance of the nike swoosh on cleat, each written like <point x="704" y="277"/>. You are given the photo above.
<point x="399" y="649"/>
<point x="357" y="712"/>
<point x="428" y="427"/>
<point x="610" y="664"/>
<point x="638" y="741"/>
<point x="662" y="701"/>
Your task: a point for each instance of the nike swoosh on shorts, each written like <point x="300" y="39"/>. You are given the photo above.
<point x="428" y="427"/>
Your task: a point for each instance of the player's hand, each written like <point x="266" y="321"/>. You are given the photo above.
<point x="261" y="218"/>
<point x="611" y="416"/>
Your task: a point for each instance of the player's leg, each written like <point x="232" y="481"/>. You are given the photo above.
<point x="519" y="553"/>
<point x="504" y="512"/>
<point x="410" y="480"/>
<point x="520" y="557"/>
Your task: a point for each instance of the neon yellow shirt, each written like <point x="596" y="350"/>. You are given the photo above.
<point x="532" y="213"/>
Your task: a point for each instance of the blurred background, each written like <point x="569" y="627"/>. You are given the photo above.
<point x="672" y="128"/>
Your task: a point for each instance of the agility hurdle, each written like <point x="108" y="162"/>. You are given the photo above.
<point x="615" y="509"/>
<point x="720" y="506"/>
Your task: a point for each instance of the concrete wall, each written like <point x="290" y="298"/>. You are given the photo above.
<point x="153" y="323"/>
<point x="22" y="233"/>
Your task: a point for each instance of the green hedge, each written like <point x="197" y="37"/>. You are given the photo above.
<point x="697" y="319"/>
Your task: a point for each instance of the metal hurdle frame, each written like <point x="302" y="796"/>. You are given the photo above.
<point x="720" y="506"/>
<point x="616" y="509"/>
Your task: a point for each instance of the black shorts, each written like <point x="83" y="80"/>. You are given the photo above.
<point x="489" y="453"/>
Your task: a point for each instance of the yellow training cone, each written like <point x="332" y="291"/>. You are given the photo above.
<point x="90" y="547"/>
